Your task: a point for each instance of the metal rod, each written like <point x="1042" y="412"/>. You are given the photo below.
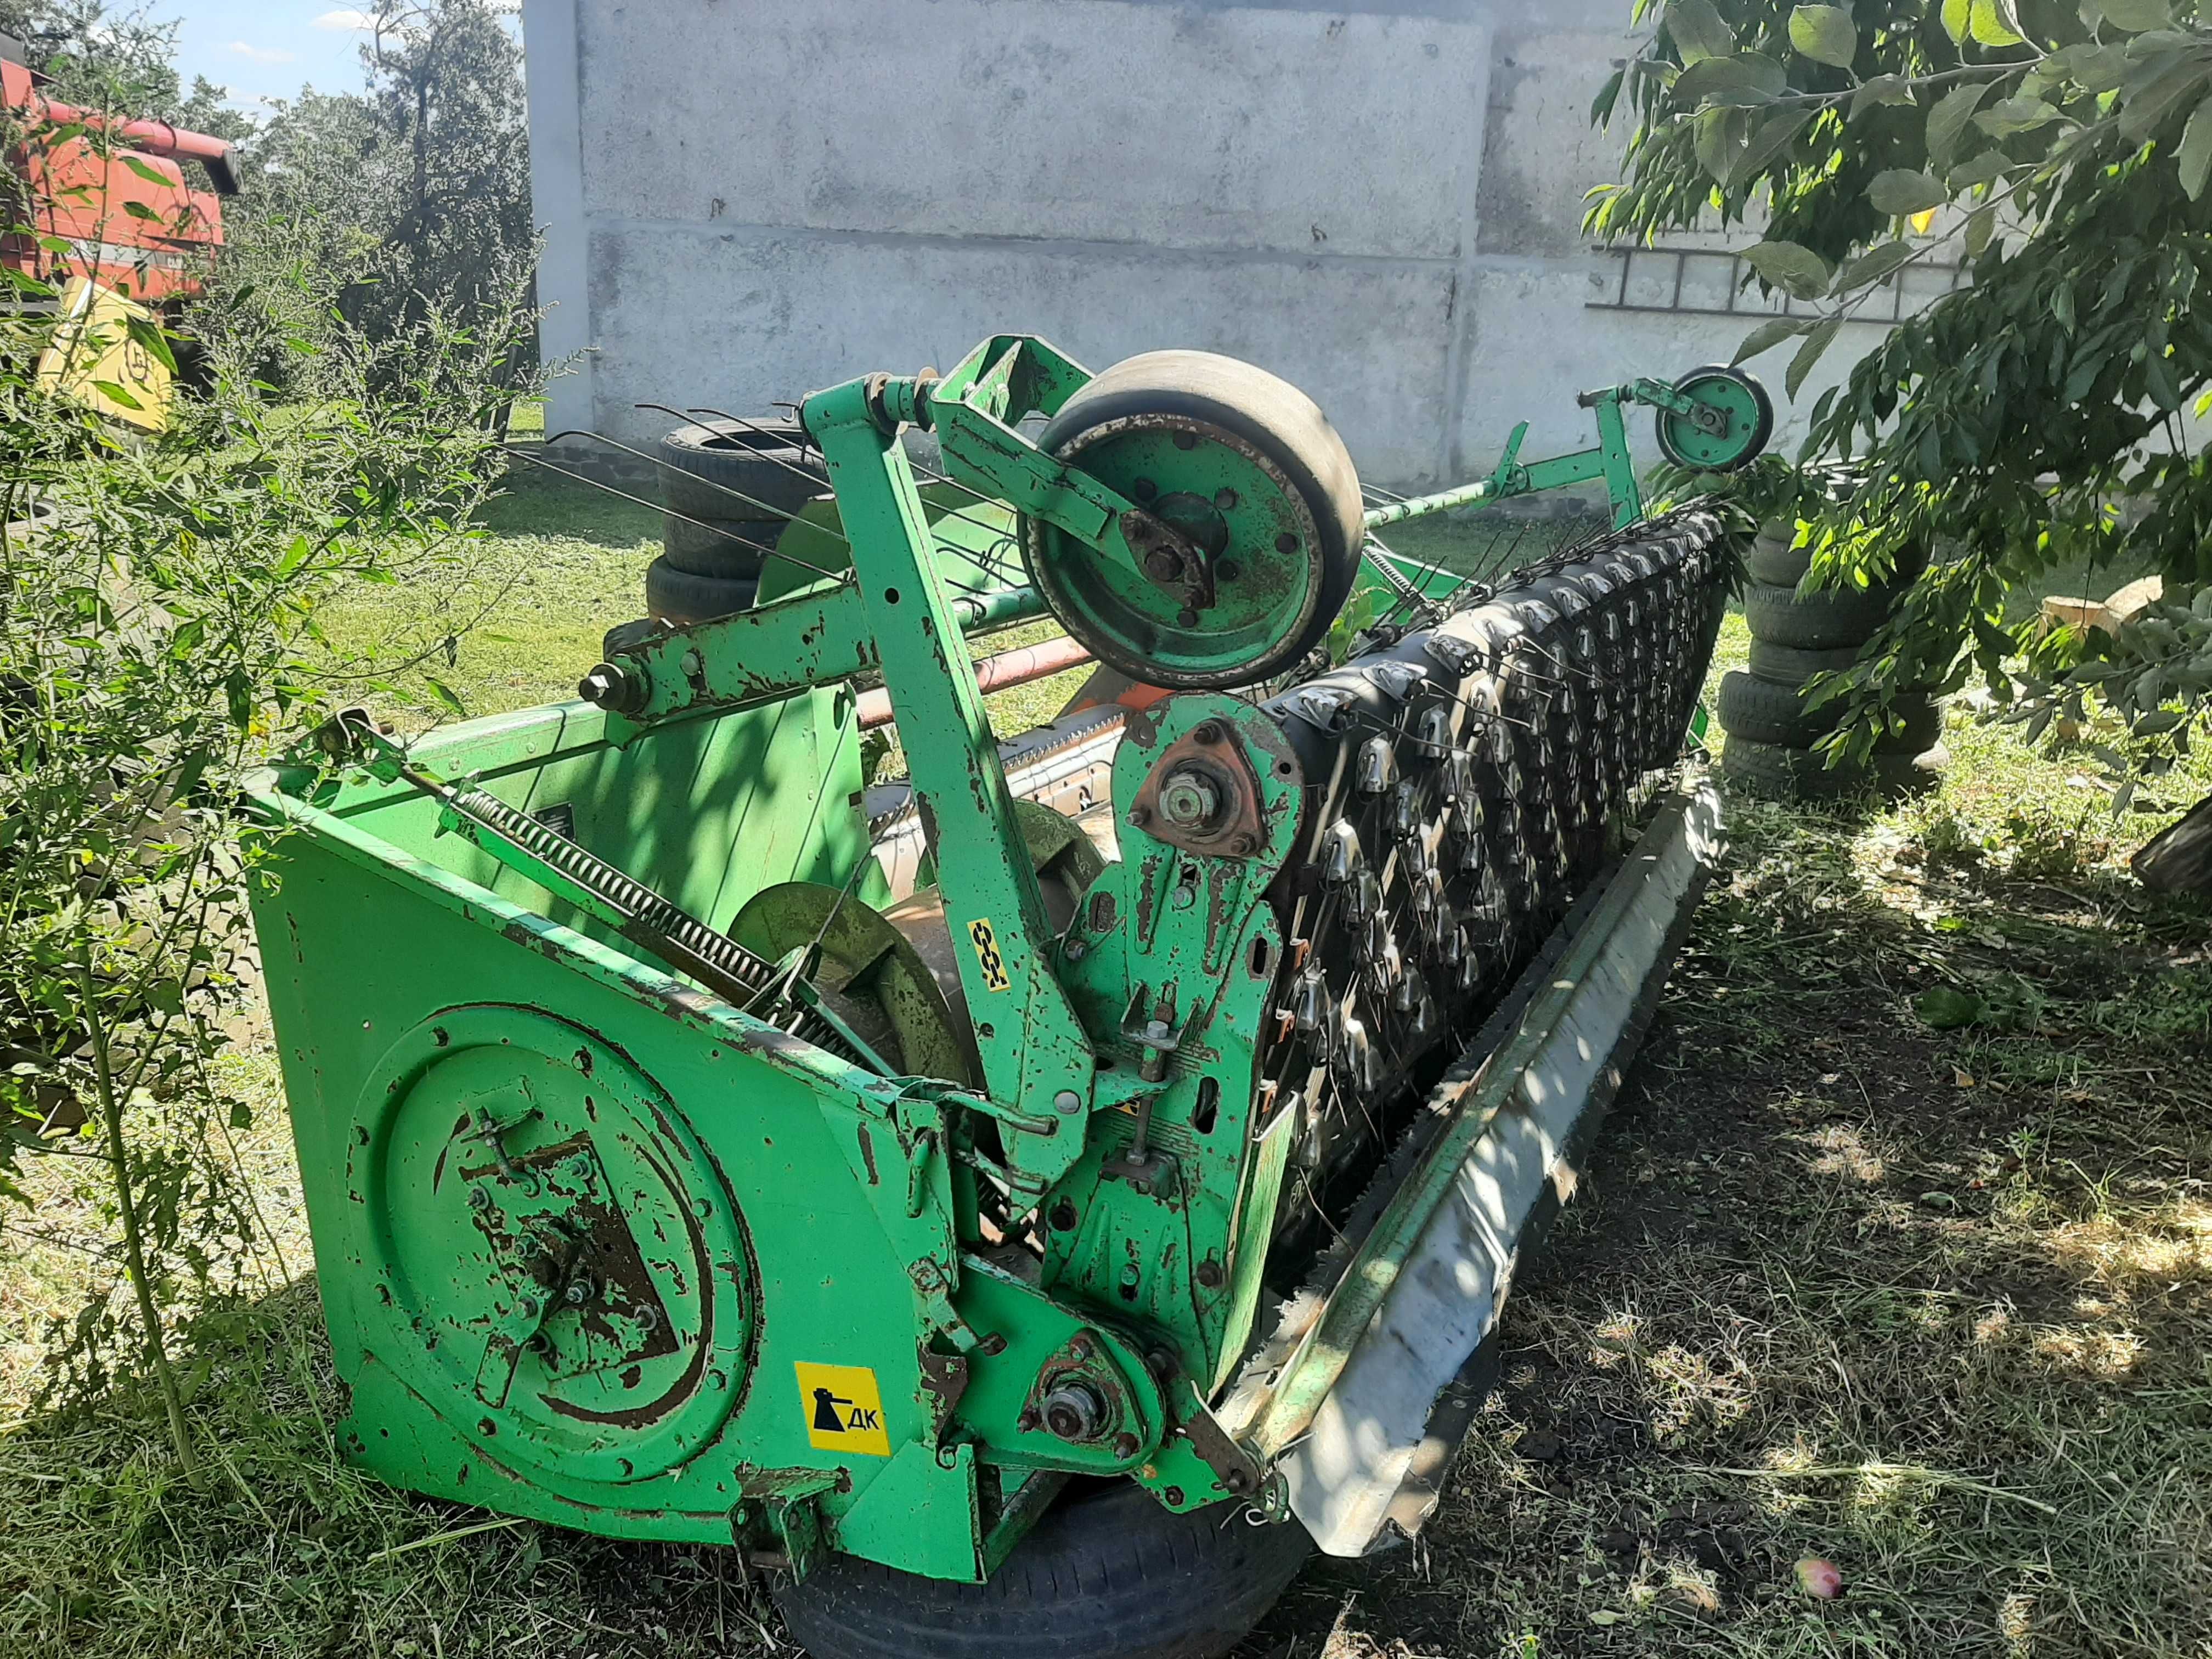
<point x="1419" y="506"/>
<point x="639" y="501"/>
<point x="1020" y="666"/>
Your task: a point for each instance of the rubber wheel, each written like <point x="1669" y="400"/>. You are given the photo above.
<point x="677" y="596"/>
<point x="1798" y="774"/>
<point x="1187" y="392"/>
<point x="1826" y="621"/>
<point x="726" y="470"/>
<point x="1109" y="1575"/>
<point x="1766" y="712"/>
<point x="724" y="548"/>
<point x="1776" y="562"/>
<point x="1751" y="425"/>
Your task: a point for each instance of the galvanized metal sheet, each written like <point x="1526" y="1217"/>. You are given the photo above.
<point x="1346" y="1474"/>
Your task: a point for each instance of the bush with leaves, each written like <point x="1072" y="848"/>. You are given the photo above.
<point x="2042" y="413"/>
<point x="158" y="637"/>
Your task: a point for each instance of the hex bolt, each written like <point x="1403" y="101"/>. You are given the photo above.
<point x="614" y="688"/>
<point x="1189" y="799"/>
<point x="479" y="1199"/>
<point x="528" y="1307"/>
<point x="578" y="1293"/>
<point x="1073" y="1411"/>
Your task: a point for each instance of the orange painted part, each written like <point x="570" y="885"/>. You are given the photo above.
<point x="128" y="219"/>
<point x="1009" y="668"/>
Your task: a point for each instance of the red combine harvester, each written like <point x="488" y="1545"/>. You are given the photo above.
<point x="104" y="213"/>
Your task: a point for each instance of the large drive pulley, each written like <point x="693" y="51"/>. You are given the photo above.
<point x="1728" y="425"/>
<point x="1261" y="502"/>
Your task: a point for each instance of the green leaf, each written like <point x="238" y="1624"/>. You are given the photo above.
<point x="293" y="558"/>
<point x="1772" y="138"/>
<point x="1816" y="342"/>
<point x="1986" y="168"/>
<point x="1957" y="18"/>
<point x="1698" y="31"/>
<point x="1747" y="78"/>
<point x="109" y="390"/>
<point x="1879" y="90"/>
<point x="445" y="695"/>
<point x="1825" y="33"/>
<point x="1795" y="270"/>
<point x="241" y="1115"/>
<point x="150" y="174"/>
<point x="1718" y="140"/>
<point x="1896" y="189"/>
<point x="149" y="334"/>
<point x="140" y="210"/>
<point x="2010" y="115"/>
<point x="2151" y="96"/>
<point x="2133" y="16"/>
<point x="1873" y="265"/>
<point x="1945" y="1009"/>
<point x="1946" y="122"/>
<point x="1988" y="23"/>
<point x="2194" y="158"/>
<point x="1981" y="225"/>
<point x="1771" y="333"/>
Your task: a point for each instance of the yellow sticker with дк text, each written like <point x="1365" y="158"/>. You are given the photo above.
<point x="985" y="939"/>
<point x="844" y="1409"/>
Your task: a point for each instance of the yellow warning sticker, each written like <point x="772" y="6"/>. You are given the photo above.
<point x="844" y="1409"/>
<point x="986" y="941"/>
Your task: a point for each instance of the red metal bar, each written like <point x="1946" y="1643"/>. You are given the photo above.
<point x="996" y="673"/>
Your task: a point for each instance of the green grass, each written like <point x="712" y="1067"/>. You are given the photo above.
<point x="1935" y="1305"/>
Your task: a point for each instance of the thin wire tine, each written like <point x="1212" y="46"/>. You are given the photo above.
<point x="773" y="512"/>
<point x="935" y="477"/>
<point x="769" y="512"/>
<point x="639" y="501"/>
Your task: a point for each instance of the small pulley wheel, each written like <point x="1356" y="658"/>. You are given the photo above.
<point x="1747" y="420"/>
<point x="1247" y="469"/>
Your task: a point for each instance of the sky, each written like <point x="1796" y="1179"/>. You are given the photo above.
<point x="265" y="49"/>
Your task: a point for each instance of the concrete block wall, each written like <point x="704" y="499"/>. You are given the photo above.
<point x="1382" y="202"/>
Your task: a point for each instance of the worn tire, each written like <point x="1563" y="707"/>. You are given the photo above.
<point x="1109" y="1575"/>
<point x="724" y="469"/>
<point x="1815" y="621"/>
<point x="1776" y="560"/>
<point x="1798" y="774"/>
<point x="729" y="548"/>
<point x="677" y="596"/>
<point x="1767" y="713"/>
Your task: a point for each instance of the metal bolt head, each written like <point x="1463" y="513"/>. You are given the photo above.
<point x="611" y="686"/>
<point x="1067" y="1100"/>
<point x="1161" y="564"/>
<point x="1073" y="1411"/>
<point x="1189" y="799"/>
<point x="479" y="1199"/>
<point x="577" y="1294"/>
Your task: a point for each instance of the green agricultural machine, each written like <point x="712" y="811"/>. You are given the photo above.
<point x="1023" y="1209"/>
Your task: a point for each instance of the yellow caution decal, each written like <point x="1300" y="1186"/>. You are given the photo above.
<point x="844" y="1409"/>
<point x="985" y="939"/>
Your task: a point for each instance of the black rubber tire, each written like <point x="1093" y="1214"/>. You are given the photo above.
<point x="1276" y="418"/>
<point x="726" y="470"/>
<point x="1767" y="713"/>
<point x="1774" y="562"/>
<point x="1778" y="563"/>
<point x="1796" y="774"/>
<point x="677" y="596"/>
<point x="1815" y="621"/>
<point x="1109" y="1575"/>
<point x="1792" y="665"/>
<point x="727" y="548"/>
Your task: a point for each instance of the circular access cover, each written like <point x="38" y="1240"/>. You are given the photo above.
<point x="564" y="1277"/>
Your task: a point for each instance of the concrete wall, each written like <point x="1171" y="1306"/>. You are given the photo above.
<point x="746" y="201"/>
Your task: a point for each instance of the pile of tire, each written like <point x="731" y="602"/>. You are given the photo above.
<point x="1772" y="732"/>
<point x="728" y="488"/>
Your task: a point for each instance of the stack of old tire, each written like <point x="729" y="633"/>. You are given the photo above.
<point x="728" y="487"/>
<point x="1797" y="634"/>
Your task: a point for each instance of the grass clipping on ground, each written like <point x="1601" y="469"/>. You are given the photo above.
<point x="1896" y="1253"/>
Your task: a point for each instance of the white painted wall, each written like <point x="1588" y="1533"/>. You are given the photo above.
<point x="744" y="201"/>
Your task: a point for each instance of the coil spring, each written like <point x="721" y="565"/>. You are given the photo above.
<point x="647" y="911"/>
